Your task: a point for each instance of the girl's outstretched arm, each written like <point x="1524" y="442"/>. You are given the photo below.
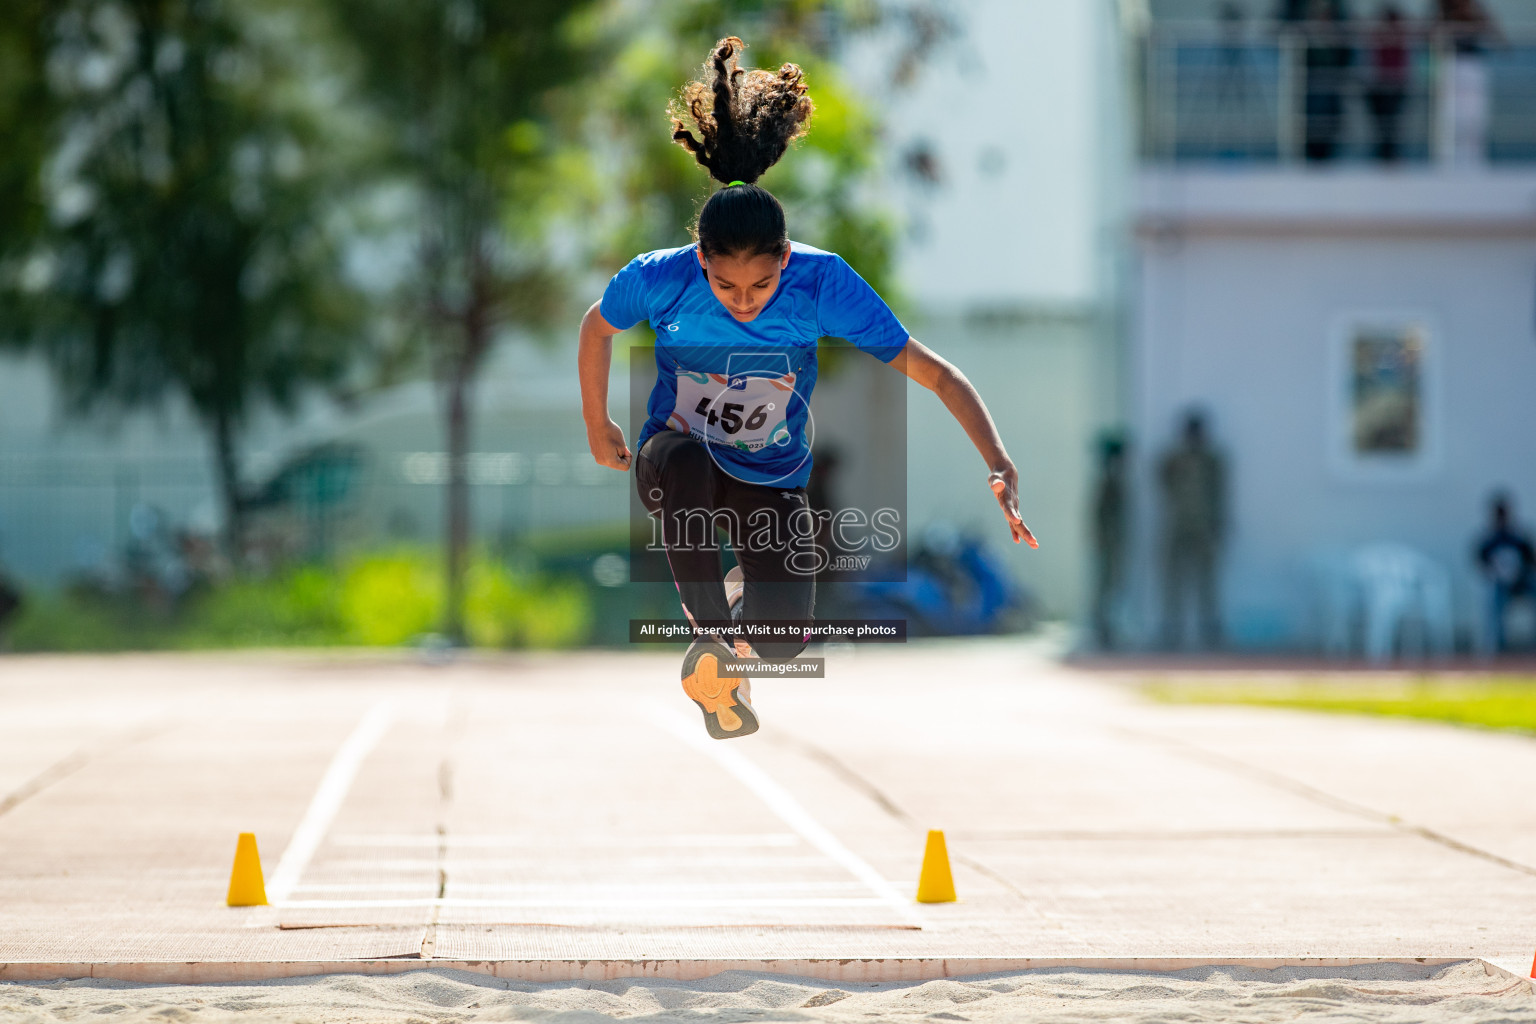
<point x="593" y="357"/>
<point x="961" y="399"/>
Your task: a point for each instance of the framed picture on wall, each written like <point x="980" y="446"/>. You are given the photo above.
<point x="1384" y="383"/>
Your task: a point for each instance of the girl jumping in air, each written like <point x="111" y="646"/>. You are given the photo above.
<point x="737" y="317"/>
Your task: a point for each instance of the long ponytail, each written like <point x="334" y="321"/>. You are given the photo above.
<point x="745" y="121"/>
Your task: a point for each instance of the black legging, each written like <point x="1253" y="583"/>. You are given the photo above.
<point x="766" y="526"/>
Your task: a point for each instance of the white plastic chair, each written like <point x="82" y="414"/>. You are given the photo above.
<point x="1397" y="583"/>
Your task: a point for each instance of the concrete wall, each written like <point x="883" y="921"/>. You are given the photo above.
<point x="1042" y="380"/>
<point x="1007" y="111"/>
<point x="1244" y="283"/>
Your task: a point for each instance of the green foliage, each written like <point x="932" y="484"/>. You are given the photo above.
<point x="492" y="604"/>
<point x="387" y="599"/>
<point x="558" y="617"/>
<point x="297" y="609"/>
<point x="379" y="600"/>
<point x="392" y="598"/>
<point x="1495" y="703"/>
<point x="26" y="122"/>
<point x="501" y="610"/>
<point x="473" y="95"/>
<point x="76" y="622"/>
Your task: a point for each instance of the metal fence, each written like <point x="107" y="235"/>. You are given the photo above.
<point x="1321" y="93"/>
<point x="73" y="518"/>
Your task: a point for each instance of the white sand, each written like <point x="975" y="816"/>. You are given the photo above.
<point x="1463" y="993"/>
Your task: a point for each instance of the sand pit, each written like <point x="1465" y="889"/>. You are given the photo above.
<point x="1460" y="992"/>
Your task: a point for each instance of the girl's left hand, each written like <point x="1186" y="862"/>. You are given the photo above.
<point x="1005" y="485"/>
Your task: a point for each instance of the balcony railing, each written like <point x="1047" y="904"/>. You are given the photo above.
<point x="1325" y="93"/>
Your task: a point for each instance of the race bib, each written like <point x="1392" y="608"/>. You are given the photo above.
<point x="746" y="408"/>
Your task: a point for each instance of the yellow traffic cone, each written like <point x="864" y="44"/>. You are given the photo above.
<point x="935" y="884"/>
<point x="246" y="888"/>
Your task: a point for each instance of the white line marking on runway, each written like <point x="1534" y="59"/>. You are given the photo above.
<point x="328" y="798"/>
<point x="570" y="890"/>
<point x="686" y="890"/>
<point x="432" y="840"/>
<point x="782" y="803"/>
<point x="606" y="903"/>
<point x="683" y="859"/>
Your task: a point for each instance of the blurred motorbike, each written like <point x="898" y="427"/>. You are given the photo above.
<point x="954" y="587"/>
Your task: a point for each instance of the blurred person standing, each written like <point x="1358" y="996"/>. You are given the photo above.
<point x="1465" y="31"/>
<point x="10" y="604"/>
<point x="1193" y="480"/>
<point x="10" y="607"/>
<point x="1387" y="92"/>
<point x="1111" y="512"/>
<point x="1328" y="58"/>
<point x="1508" y="561"/>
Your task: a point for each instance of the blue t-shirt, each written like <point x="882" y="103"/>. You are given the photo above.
<point x="744" y="388"/>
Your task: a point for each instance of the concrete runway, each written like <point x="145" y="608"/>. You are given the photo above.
<point x="571" y="807"/>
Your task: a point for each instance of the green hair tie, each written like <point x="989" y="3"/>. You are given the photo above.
<point x="731" y="183"/>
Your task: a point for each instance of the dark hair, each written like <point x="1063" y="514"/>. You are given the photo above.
<point x="745" y="120"/>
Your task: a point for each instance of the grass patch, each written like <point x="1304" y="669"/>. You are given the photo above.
<point x="1491" y="702"/>
<point x="380" y="599"/>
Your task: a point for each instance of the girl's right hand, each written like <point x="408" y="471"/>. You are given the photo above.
<point x="1005" y="485"/>
<point x="607" y="443"/>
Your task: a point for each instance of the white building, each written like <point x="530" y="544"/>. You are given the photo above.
<point x="1362" y="334"/>
<point x="1258" y="297"/>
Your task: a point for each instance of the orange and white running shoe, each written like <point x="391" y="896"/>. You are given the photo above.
<point x="725" y="700"/>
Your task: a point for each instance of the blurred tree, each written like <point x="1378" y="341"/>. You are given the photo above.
<point x="26" y="119"/>
<point x="476" y="94"/>
<point x="191" y="247"/>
